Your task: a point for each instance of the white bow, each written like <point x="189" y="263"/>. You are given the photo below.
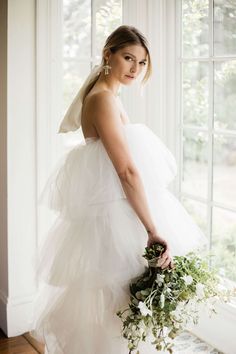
<point x="72" y="118"/>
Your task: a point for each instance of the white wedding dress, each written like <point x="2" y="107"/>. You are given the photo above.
<point x="96" y="244"/>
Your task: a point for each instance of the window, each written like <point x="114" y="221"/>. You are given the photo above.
<point x="86" y="25"/>
<point x="208" y="123"/>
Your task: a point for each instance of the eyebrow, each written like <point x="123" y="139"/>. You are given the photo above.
<point x="133" y="56"/>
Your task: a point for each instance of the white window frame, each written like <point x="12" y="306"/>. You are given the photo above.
<point x="210" y="130"/>
<point x="220" y="330"/>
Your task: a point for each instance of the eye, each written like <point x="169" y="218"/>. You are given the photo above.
<point x="143" y="63"/>
<point x="127" y="57"/>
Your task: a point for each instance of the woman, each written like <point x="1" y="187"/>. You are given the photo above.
<point x="112" y="198"/>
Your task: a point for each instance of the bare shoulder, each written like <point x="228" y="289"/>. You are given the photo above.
<point x="101" y="102"/>
<point x="99" y="95"/>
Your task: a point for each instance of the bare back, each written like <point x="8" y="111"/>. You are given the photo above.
<point x="102" y="117"/>
<point x="87" y="124"/>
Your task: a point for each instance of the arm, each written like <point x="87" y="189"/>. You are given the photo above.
<point x="106" y="119"/>
<point x="110" y="129"/>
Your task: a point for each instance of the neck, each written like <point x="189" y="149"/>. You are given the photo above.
<point x="108" y="82"/>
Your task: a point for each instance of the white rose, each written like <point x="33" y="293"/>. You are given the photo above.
<point x="162" y="300"/>
<point x="177" y="312"/>
<point x="188" y="279"/>
<point x="200" y="290"/>
<point x="144" y="309"/>
<point x="168" y="290"/>
<point x="160" y="279"/>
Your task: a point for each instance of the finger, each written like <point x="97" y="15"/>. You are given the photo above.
<point x="166" y="263"/>
<point x="149" y="243"/>
<point x="166" y="253"/>
<point x="161" y="260"/>
<point x="171" y="265"/>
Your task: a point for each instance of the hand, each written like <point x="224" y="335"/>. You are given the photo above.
<point x="166" y="259"/>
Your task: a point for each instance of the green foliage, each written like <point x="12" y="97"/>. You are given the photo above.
<point x="224" y="254"/>
<point x="195" y="27"/>
<point x="162" y="302"/>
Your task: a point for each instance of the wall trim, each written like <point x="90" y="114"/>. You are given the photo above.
<point x="15" y="314"/>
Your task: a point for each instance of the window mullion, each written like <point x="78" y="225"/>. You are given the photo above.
<point x="204" y="201"/>
<point x="211" y="58"/>
<point x="179" y="105"/>
<point x="226" y="132"/>
<point x="93" y="33"/>
<point x="210" y="126"/>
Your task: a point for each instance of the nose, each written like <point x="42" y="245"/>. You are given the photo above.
<point x="133" y="68"/>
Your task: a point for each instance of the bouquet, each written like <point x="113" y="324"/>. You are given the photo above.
<point x="163" y="301"/>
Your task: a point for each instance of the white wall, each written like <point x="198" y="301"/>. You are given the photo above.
<point x="30" y="98"/>
<point x="148" y="107"/>
<point x="3" y="163"/>
<point x="18" y="165"/>
<point x="156" y="108"/>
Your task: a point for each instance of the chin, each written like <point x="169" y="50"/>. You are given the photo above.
<point x="127" y="81"/>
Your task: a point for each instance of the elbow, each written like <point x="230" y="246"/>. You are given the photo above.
<point x="126" y="174"/>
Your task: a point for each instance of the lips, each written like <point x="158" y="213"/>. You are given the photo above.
<point x="129" y="76"/>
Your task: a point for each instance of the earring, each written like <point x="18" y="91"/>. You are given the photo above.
<point x="106" y="68"/>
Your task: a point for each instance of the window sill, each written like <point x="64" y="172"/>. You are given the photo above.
<point x="219" y="329"/>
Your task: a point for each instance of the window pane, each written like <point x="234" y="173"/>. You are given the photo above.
<point x="224" y="27"/>
<point x="108" y="17"/>
<point x="224" y="242"/>
<point x="225" y="95"/>
<point x="195" y="28"/>
<point x="195" y="93"/>
<point x="198" y="211"/>
<point x="195" y="163"/>
<point x="74" y="74"/>
<point x="76" y="28"/>
<point x="224" y="170"/>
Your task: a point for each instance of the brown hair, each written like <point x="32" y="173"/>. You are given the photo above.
<point x="118" y="39"/>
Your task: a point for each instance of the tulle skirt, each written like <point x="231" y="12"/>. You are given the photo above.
<point x="95" y="246"/>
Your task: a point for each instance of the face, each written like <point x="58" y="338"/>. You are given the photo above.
<point x="127" y="63"/>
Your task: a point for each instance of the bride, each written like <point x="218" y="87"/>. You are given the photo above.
<point x="112" y="199"/>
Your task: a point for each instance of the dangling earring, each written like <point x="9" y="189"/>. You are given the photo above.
<point x="106" y="68"/>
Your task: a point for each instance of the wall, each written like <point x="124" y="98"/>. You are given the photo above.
<point x="3" y="164"/>
<point x="18" y="165"/>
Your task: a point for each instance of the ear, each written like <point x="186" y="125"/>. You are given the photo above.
<point x="106" y="54"/>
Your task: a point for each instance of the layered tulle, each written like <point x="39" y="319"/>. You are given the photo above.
<point x="95" y="246"/>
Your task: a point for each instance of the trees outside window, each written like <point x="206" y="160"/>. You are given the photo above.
<point x="208" y="123"/>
